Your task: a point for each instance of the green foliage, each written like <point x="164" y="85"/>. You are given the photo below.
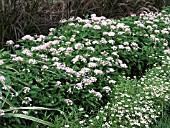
<point x="75" y="71"/>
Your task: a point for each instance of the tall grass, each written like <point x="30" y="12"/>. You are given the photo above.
<point x="21" y="17"/>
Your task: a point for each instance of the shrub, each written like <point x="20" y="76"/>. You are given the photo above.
<point x="77" y="66"/>
<point x="137" y="103"/>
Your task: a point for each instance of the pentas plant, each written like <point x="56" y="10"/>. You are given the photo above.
<point x="76" y="66"/>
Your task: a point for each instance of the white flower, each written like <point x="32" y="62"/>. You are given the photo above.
<point x="2" y="112"/>
<point x="91" y="48"/>
<point x="58" y="83"/>
<point x="66" y="126"/>
<point x="10" y="42"/>
<point x="1" y="62"/>
<point x="79" y="86"/>
<point x="68" y="102"/>
<point x="79" y="46"/>
<point x="16" y="46"/>
<point x="111" y="33"/>
<point x="32" y="61"/>
<point x="26" y="89"/>
<point x="27" y="52"/>
<point x="141" y="25"/>
<point x="45" y="67"/>
<point x="105" y="33"/>
<point x="107" y="89"/>
<point x="121" y="46"/>
<point x="111" y="41"/>
<point x="96" y="27"/>
<point x="95" y="42"/>
<point x="120" y="25"/>
<point x="164" y="32"/>
<point x="86" y="115"/>
<point x="112" y="81"/>
<point x="2" y="79"/>
<point x="25" y="112"/>
<point x="72" y="39"/>
<point x="98" y="72"/>
<point x="134" y="44"/>
<point x="98" y="94"/>
<point x="110" y="70"/>
<point x="97" y="117"/>
<point x="114" y="47"/>
<point x="28" y="99"/>
<point x="81" y="109"/>
<point x="88" y="25"/>
<point x="84" y="71"/>
<point x="123" y="65"/>
<point x="113" y="27"/>
<point x="55" y="59"/>
<point x="28" y="37"/>
<point x="18" y="59"/>
<point x="81" y="122"/>
<point x="125" y="43"/>
<point x="92" y="65"/>
<point x="51" y="29"/>
<point x="93" y="15"/>
<point x="128" y="48"/>
<point x="104" y="23"/>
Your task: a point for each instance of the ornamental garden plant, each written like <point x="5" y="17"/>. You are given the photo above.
<point x="93" y="72"/>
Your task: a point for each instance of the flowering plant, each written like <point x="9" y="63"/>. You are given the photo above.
<point x="77" y="65"/>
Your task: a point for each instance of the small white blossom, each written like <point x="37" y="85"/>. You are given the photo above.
<point x="1" y="62"/>
<point x="111" y="33"/>
<point x="68" y="102"/>
<point x="10" y="42"/>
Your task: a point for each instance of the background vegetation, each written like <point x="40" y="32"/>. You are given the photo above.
<point x="21" y="17"/>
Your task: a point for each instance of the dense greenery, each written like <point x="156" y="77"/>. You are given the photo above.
<point x="21" y="17"/>
<point x="93" y="72"/>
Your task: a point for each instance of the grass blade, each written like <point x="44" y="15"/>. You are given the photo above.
<point x="29" y="118"/>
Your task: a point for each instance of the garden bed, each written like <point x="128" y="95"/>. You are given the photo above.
<point x="93" y="72"/>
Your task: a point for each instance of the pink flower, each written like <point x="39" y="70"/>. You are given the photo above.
<point x="28" y="37"/>
<point x="27" y="52"/>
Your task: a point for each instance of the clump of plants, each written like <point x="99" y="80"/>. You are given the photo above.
<point x="75" y="70"/>
<point x="138" y="103"/>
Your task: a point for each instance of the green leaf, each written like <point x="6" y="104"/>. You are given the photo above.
<point x="139" y="66"/>
<point x="29" y="108"/>
<point x="6" y="53"/>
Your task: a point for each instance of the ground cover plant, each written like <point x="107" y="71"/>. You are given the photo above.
<point x="88" y="73"/>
